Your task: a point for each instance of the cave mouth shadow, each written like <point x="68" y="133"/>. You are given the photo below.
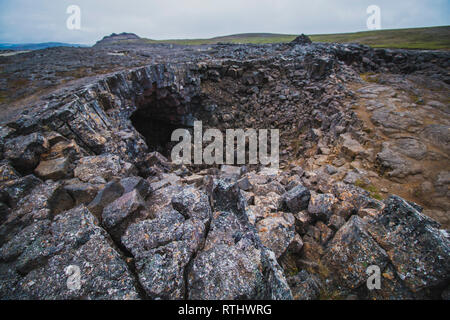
<point x="156" y="132"/>
<point x="161" y="111"/>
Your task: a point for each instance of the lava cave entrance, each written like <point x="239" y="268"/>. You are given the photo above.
<point x="156" y="132"/>
<point x="158" y="114"/>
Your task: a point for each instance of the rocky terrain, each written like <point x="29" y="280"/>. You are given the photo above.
<point x="86" y="178"/>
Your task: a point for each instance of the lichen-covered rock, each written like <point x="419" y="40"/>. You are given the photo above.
<point x="304" y="286"/>
<point x="14" y="190"/>
<point x="106" y="166"/>
<point x="418" y="250"/>
<point x="226" y="273"/>
<point x="44" y="202"/>
<point x="257" y="213"/>
<point x="233" y="266"/>
<point x="82" y="193"/>
<point x="164" y="245"/>
<point x="24" y="152"/>
<point x="247" y="270"/>
<point x="302" y="221"/>
<point x="50" y="195"/>
<point x="273" y="186"/>
<point x="271" y="201"/>
<point x="108" y="194"/>
<point x="336" y="222"/>
<point x="350" y="253"/>
<point x="391" y="287"/>
<point x="297" y="199"/>
<point x="320" y="232"/>
<point x="350" y="194"/>
<point x="7" y="172"/>
<point x="61" y="148"/>
<point x="161" y="272"/>
<point x="138" y="183"/>
<point x="46" y="250"/>
<point x="146" y="235"/>
<point x="53" y="169"/>
<point x="192" y="204"/>
<point x="321" y="206"/>
<point x="116" y="215"/>
<point x="277" y="232"/>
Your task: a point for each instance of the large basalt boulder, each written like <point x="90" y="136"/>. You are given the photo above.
<point x="296" y="199"/>
<point x="418" y="250"/>
<point x="320" y="206"/>
<point x="350" y="253"/>
<point x="226" y="273"/>
<point x="277" y="232"/>
<point x="62" y="148"/>
<point x="318" y="67"/>
<point x="44" y="201"/>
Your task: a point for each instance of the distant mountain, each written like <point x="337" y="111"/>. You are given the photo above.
<point x="36" y="46"/>
<point x="121" y="37"/>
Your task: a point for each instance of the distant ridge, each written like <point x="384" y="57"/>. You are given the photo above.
<point x="114" y="37"/>
<point x="434" y="38"/>
<point x="36" y="46"/>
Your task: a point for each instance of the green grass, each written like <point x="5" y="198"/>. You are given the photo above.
<point x="255" y="38"/>
<point x="374" y="193"/>
<point x="415" y="38"/>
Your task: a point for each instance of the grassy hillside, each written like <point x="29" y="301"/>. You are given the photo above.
<point x="416" y="38"/>
<point x="256" y="38"/>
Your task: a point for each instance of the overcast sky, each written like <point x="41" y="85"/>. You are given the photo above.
<point x="45" y="20"/>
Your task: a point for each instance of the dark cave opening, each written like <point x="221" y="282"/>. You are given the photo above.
<point x="160" y="112"/>
<point x="156" y="132"/>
